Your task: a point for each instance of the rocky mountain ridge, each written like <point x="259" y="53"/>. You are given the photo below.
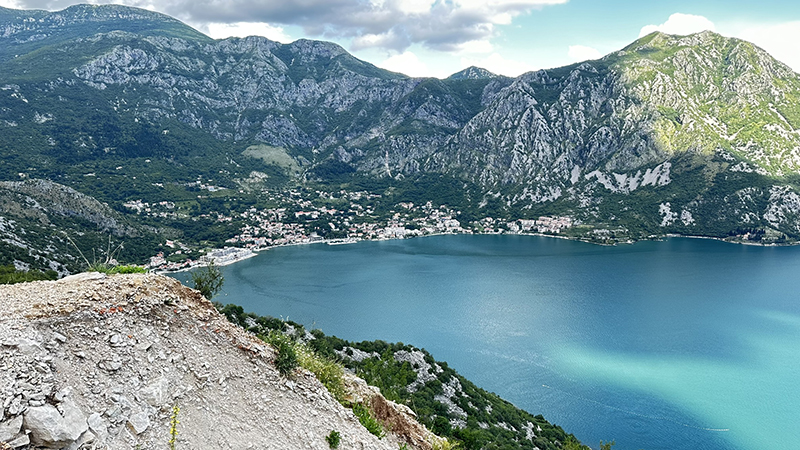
<point x="95" y="362"/>
<point x="693" y="135"/>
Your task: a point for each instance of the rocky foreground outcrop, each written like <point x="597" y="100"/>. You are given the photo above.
<point x="96" y="362"/>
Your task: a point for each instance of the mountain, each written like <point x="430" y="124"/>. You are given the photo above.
<point x="694" y="135"/>
<point x="472" y="73"/>
<point x="40" y="219"/>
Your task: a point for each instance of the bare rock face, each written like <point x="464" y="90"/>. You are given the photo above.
<point x="95" y="362"/>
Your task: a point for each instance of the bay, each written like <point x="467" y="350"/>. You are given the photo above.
<point x="675" y="344"/>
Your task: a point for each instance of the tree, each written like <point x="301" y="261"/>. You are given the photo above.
<point x="208" y="280"/>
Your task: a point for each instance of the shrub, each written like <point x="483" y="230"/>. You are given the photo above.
<point x="369" y="421"/>
<point x="173" y="427"/>
<point x="444" y="444"/>
<point x="286" y="359"/>
<point x="208" y="280"/>
<point x="333" y="439"/>
<point x="328" y="372"/>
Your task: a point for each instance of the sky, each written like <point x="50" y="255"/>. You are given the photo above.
<point x="509" y="37"/>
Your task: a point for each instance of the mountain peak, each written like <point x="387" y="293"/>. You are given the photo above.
<point x="472" y="73"/>
<point x="660" y="41"/>
<point x="17" y="28"/>
<point x="705" y="49"/>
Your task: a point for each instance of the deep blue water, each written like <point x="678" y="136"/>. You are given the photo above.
<point x="682" y="344"/>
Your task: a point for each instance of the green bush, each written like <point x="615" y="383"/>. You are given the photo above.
<point x="129" y="269"/>
<point x="10" y="275"/>
<point x="286" y="359"/>
<point x="333" y="439"/>
<point x="208" y="280"/>
<point x="369" y="421"/>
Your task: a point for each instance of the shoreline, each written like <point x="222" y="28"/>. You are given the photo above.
<point x="252" y="252"/>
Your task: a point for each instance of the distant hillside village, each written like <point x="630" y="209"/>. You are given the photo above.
<point x="303" y="221"/>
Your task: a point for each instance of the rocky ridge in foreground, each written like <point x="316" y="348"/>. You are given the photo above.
<point x="96" y="362"/>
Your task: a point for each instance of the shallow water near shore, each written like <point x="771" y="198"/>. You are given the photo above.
<point x="678" y="344"/>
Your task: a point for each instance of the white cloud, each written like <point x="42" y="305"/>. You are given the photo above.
<point x="10" y="4"/>
<point x="680" y="24"/>
<point x="780" y="41"/>
<point x="393" y="25"/>
<point x="412" y="6"/>
<point x="244" y="29"/>
<point x="406" y="63"/>
<point x="475" y="47"/>
<point x="498" y="64"/>
<point x="501" y="12"/>
<point x="578" y="53"/>
<point x="439" y="32"/>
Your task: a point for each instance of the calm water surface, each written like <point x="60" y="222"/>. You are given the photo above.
<point x="682" y="344"/>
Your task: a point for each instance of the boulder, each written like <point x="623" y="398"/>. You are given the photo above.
<point x="86" y="438"/>
<point x="49" y="428"/>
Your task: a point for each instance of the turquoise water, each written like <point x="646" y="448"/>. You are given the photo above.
<point x="681" y="344"/>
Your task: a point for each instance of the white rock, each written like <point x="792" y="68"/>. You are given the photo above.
<point x="138" y="423"/>
<point x="156" y="393"/>
<point x="50" y="429"/>
<point x="98" y="426"/>
<point x="28" y="347"/>
<point x="9" y="429"/>
<point x="85" y="276"/>
<point x="21" y="441"/>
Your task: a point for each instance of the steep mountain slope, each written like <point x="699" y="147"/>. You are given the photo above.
<point x="45" y="225"/>
<point x="660" y="97"/>
<point x="672" y="134"/>
<point x="96" y="362"/>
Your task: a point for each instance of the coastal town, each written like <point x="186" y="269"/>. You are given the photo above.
<point x="334" y="218"/>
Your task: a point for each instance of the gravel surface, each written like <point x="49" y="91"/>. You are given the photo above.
<point x="98" y="362"/>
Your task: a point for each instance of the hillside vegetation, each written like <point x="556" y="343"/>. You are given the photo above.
<point x="693" y="135"/>
<point x="444" y="401"/>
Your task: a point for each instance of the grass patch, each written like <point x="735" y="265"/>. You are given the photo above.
<point x="444" y="444"/>
<point x="111" y="270"/>
<point x="369" y="421"/>
<point x="328" y="372"/>
<point x="273" y="155"/>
